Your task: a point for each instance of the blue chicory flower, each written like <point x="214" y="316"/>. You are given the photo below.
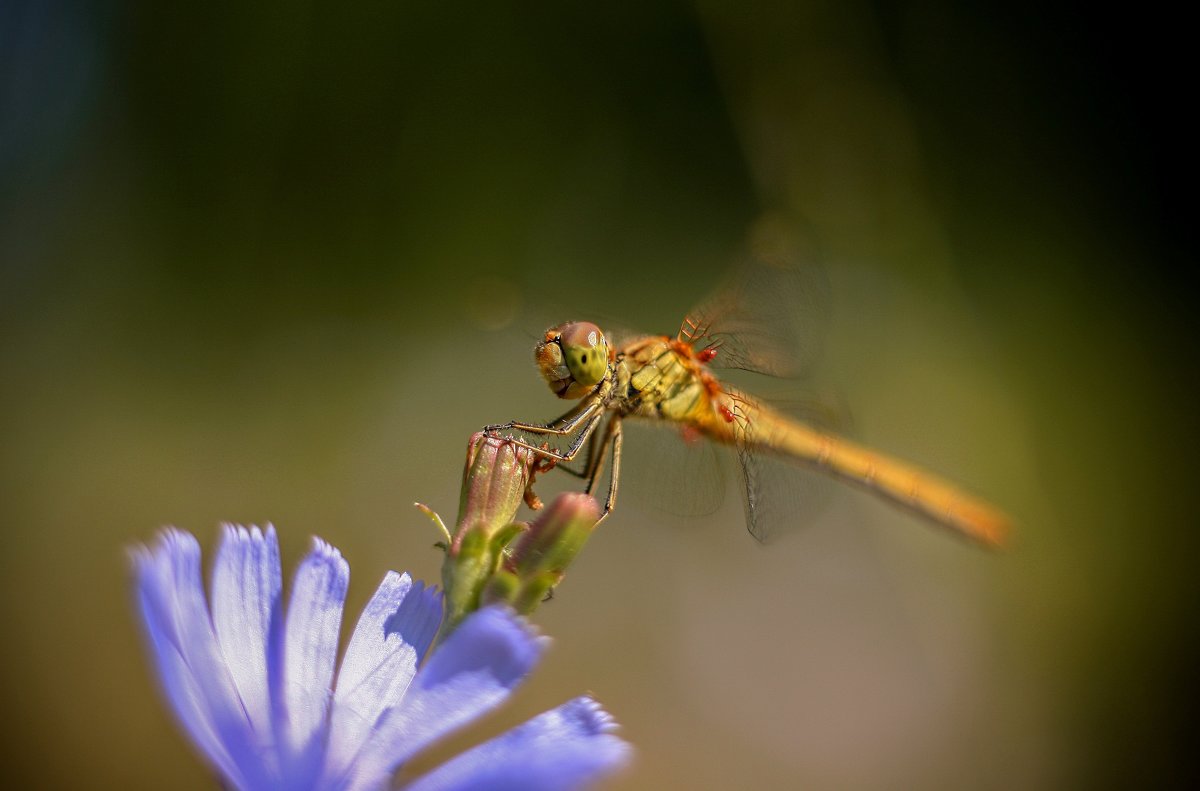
<point x="254" y="688"/>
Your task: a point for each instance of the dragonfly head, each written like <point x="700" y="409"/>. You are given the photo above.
<point x="573" y="358"/>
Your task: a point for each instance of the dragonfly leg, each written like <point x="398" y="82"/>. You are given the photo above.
<point x="592" y="471"/>
<point x="589" y="454"/>
<point x="612" y="437"/>
<point x="572" y="450"/>
<point x="561" y="427"/>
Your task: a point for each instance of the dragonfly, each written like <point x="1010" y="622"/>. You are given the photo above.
<point x="672" y="380"/>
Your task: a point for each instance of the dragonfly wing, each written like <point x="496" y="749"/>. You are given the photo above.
<point x="777" y="493"/>
<point x="665" y="472"/>
<point x="769" y="316"/>
<point x="753" y="487"/>
<point x="778" y="496"/>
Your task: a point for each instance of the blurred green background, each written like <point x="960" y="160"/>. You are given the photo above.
<point x="276" y="261"/>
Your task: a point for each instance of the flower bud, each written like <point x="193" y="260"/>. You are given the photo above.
<point x="495" y="478"/>
<point x="557" y="536"/>
<point x="539" y="557"/>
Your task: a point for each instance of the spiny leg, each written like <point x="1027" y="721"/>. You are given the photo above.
<point x="589" y="454"/>
<point x="572" y="450"/>
<point x="614" y="472"/>
<point x="560" y="427"/>
<point x="592" y="471"/>
<point x="614" y="437"/>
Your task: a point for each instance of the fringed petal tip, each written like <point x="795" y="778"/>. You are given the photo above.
<point x="589" y="715"/>
<point x="423" y="586"/>
<point x="569" y="747"/>
<point x="232" y="531"/>
<point x="510" y="643"/>
<point x="528" y="631"/>
<point x="137" y="556"/>
<point x="168" y="542"/>
<point x="171" y="540"/>
<point x="322" y="550"/>
<point x="336" y="574"/>
<point x="498" y="631"/>
<point x="430" y="596"/>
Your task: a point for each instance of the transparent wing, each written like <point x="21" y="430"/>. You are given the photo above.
<point x="764" y="513"/>
<point x="768" y="316"/>
<point x="665" y="471"/>
<point x="778" y="494"/>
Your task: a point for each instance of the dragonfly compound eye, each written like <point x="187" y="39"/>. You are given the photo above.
<point x="572" y="358"/>
<point x="585" y="351"/>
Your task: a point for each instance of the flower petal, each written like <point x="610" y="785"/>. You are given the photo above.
<point x="245" y="601"/>
<point x="391" y="637"/>
<point x="301" y="660"/>
<point x="192" y="669"/>
<point x="565" y="748"/>
<point x="472" y="672"/>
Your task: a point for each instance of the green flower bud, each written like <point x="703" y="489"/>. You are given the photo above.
<point x="539" y="557"/>
<point x="495" y="478"/>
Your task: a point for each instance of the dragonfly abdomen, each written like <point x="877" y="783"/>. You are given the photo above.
<point x="895" y="480"/>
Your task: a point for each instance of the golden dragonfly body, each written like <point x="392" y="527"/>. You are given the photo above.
<point x="669" y="379"/>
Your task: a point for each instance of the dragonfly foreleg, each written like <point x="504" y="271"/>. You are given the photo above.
<point x="572" y="450"/>
<point x="586" y="472"/>
<point x="561" y="427"/>
<point x="612" y="437"/>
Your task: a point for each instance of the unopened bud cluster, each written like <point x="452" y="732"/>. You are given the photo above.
<point x="491" y="557"/>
